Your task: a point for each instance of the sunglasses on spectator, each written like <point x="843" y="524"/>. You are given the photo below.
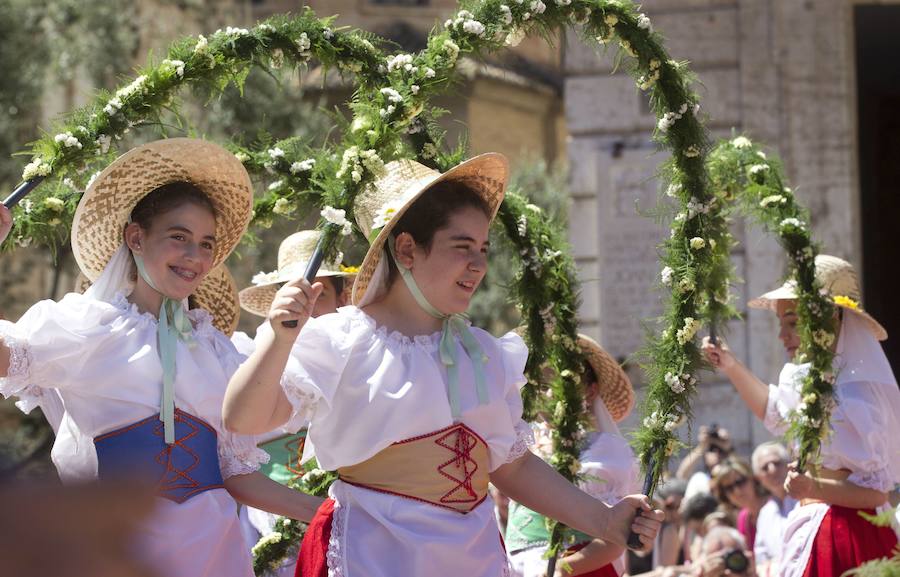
<point x="739" y="482"/>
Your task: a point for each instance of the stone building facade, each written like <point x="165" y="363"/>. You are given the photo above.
<point x="792" y="74"/>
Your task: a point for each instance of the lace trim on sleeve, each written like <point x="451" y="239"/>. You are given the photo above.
<point x="234" y="461"/>
<point x="524" y="440"/>
<point x="15" y="383"/>
<point x="303" y="402"/>
<point x="879" y="480"/>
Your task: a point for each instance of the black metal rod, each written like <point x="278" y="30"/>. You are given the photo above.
<point x="634" y="540"/>
<point x="713" y="338"/>
<point x="312" y="269"/>
<point x="22" y="191"/>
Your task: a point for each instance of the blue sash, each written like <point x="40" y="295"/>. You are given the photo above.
<point x="187" y="467"/>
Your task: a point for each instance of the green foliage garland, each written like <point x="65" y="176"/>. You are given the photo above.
<point x="393" y="93"/>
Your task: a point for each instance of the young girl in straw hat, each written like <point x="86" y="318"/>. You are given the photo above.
<point x="141" y="378"/>
<point x="609" y="470"/>
<point x="284" y="445"/>
<point x="416" y="410"/>
<point x="825" y="536"/>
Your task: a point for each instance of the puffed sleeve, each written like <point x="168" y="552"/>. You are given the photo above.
<point x="317" y="361"/>
<point x="862" y="439"/>
<point x="515" y="355"/>
<point x="609" y="468"/>
<point x="243" y="343"/>
<point x="240" y="455"/>
<point x="784" y="398"/>
<point x="49" y="345"/>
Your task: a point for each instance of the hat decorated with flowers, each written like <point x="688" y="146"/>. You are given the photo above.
<point x="380" y="206"/>
<point x="840" y="282"/>
<point x="294" y="254"/>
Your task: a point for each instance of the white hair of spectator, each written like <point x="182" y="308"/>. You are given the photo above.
<point x="717" y="534"/>
<point x="764" y="449"/>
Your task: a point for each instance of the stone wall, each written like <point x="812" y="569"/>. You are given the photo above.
<point x="779" y="70"/>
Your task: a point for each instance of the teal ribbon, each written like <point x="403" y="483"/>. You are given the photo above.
<point x="453" y="326"/>
<point x="173" y="326"/>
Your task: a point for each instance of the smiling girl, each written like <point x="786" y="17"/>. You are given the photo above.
<point x="140" y="376"/>
<point x="415" y="409"/>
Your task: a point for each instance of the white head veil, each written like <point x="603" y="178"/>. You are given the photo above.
<point x="115" y="278"/>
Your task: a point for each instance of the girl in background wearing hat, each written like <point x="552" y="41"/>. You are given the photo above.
<point x="825" y="536"/>
<point x="415" y="409"/>
<point x="609" y="469"/>
<point x="284" y="446"/>
<point x="140" y="376"/>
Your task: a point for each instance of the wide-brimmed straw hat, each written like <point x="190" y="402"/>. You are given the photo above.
<point x="614" y="385"/>
<point x="217" y="295"/>
<point x="839" y="279"/>
<point x="105" y="208"/>
<point x="294" y="254"/>
<point x="380" y="206"/>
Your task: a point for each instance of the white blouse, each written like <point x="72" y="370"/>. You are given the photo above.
<point x="100" y="359"/>
<point x="362" y="389"/>
<point x="861" y="441"/>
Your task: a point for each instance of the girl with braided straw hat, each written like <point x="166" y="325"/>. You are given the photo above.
<point x="415" y="409"/>
<point x="608" y="467"/>
<point x="140" y="376"/>
<point x="285" y="444"/>
<point x="860" y="458"/>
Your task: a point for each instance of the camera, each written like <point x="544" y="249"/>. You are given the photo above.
<point x="736" y="561"/>
<point x="713" y="431"/>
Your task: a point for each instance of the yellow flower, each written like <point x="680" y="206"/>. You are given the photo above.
<point x="846" y="301"/>
<point x="350" y="269"/>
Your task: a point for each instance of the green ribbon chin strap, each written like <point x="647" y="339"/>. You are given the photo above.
<point x="453" y="325"/>
<point x="173" y="325"/>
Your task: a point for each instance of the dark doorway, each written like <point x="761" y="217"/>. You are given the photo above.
<point x="878" y="95"/>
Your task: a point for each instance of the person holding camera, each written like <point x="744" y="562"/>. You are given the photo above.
<point x="713" y="447"/>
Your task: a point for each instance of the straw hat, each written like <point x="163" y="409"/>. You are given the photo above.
<point x="293" y="255"/>
<point x="840" y="282"/>
<point x="104" y="210"/>
<point x="380" y="206"/>
<point x="217" y="295"/>
<point x="615" y="386"/>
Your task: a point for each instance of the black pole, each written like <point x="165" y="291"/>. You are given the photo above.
<point x="22" y="190"/>
<point x="634" y="540"/>
<point x="312" y="268"/>
<point x="713" y="338"/>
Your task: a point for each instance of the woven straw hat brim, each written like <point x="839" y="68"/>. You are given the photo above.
<point x="103" y="212"/>
<point x="616" y="389"/>
<point x="788" y="291"/>
<point x="258" y="299"/>
<point x="486" y="174"/>
<point x="217" y="295"/>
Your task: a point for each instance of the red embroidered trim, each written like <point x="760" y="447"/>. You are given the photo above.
<point x="439" y="431"/>
<point x="462" y="457"/>
<point x="414" y="498"/>
<point x="294" y="446"/>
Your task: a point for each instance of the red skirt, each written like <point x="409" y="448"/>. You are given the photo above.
<point x="845" y="541"/>
<point x="606" y="571"/>
<point x="311" y="561"/>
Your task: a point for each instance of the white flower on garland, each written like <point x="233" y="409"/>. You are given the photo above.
<point x="414" y="89"/>
<point x="515" y="37"/>
<point x="673" y="190"/>
<point x="687" y="332"/>
<point x="54" y="204"/>
<point x="91" y="180"/>
<point x="68" y="140"/>
<point x="628" y="48"/>
<point x="328" y="34"/>
<point x="429" y="150"/>
<point x="666" y="275"/>
<point x="473" y="27"/>
<point x="276" y="153"/>
<point x="113" y="106"/>
<point x="563" y="2"/>
<point x="337" y="217"/>
<point x="392" y="95"/>
<point x="137" y="85"/>
<point x="697" y="243"/>
<point x="507" y="14"/>
<point x="761" y="154"/>
<point x="201" y="45"/>
<point x="643" y="23"/>
<point x="242" y="156"/>
<point x="430" y="73"/>
<point x="758" y="169"/>
<point x="276" y="185"/>
<point x="303" y="45"/>
<point x="538" y="7"/>
<point x="232" y="31"/>
<point x="303" y="165"/>
<point x="176" y="66"/>
<point x="283" y="206"/>
<point x="103" y="141"/>
<point x="645" y="82"/>
<point x="741" y="142"/>
<point x="791" y="223"/>
<point x="37" y="167"/>
<point x="692" y="151"/>
<point x="451" y="49"/>
<point x="611" y="20"/>
<point x="675" y="383"/>
<point x="265" y="278"/>
<point x="772" y="199"/>
<point x="823" y="338"/>
<point x="399" y="62"/>
<point x="686" y="285"/>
